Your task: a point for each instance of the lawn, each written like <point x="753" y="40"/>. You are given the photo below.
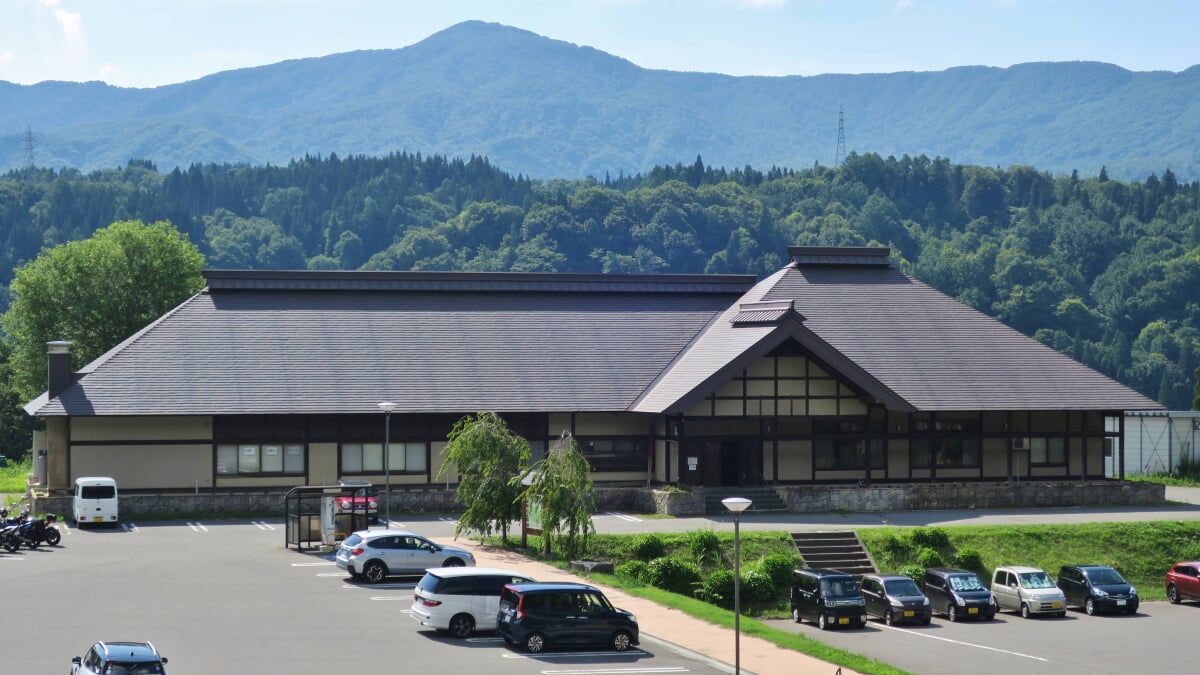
<point x="12" y="480"/>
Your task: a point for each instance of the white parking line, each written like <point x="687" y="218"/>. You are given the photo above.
<point x="624" y="516"/>
<point x="197" y="527"/>
<point x="316" y="564"/>
<point x="615" y="671"/>
<point x="965" y="644"/>
<point x="373" y="587"/>
<point x="446" y="519"/>
<point x="394" y="597"/>
<point x="485" y="639"/>
<point x="551" y="655"/>
<point x="263" y="525"/>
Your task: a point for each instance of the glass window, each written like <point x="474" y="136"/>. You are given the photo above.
<point x="248" y="459"/>
<point x="272" y="459"/>
<point x="944" y="452"/>
<point x="1047" y="451"/>
<point x="615" y="454"/>
<point x="368" y="457"/>
<point x="267" y="458"/>
<point x="293" y="458"/>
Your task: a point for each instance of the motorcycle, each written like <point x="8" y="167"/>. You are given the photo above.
<point x="29" y="531"/>
<point x="10" y="537"/>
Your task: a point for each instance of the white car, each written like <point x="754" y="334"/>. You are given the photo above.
<point x="372" y="555"/>
<point x="461" y="600"/>
<point x="1027" y="590"/>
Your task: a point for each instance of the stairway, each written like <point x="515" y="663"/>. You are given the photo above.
<point x="842" y="551"/>
<point x="763" y="497"/>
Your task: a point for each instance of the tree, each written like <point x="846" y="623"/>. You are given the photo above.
<point x="96" y="292"/>
<point x="563" y="483"/>
<point x="486" y="455"/>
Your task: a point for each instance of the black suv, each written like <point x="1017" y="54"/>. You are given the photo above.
<point x="828" y="598"/>
<point x="958" y="594"/>
<point x="1097" y="588"/>
<point x="127" y="658"/>
<point x="538" y="614"/>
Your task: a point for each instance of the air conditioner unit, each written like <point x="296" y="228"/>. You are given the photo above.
<point x="1020" y="443"/>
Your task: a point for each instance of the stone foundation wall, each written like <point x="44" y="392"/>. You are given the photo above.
<point x="929" y="496"/>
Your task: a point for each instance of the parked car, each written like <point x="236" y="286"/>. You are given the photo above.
<point x="372" y="555"/>
<point x="461" y="600"/>
<point x="363" y="501"/>
<point x="123" y="658"/>
<point x="958" y="594"/>
<point x="537" y="615"/>
<point x="828" y="598"/>
<point x="1183" y="582"/>
<point x="895" y="598"/>
<point x="1097" y="588"/>
<point x="1027" y="590"/>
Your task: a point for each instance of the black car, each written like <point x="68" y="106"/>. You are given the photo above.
<point x="536" y="615"/>
<point x="895" y="598"/>
<point x="1097" y="588"/>
<point x="127" y="658"/>
<point x="958" y="594"/>
<point x="828" y="598"/>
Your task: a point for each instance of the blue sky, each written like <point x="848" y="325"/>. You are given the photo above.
<point x="145" y="43"/>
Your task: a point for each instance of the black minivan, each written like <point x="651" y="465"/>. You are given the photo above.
<point x="540" y="614"/>
<point x="958" y="594"/>
<point x="828" y="598"/>
<point x="1097" y="588"/>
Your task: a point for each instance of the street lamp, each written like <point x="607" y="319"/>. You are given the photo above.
<point x="387" y="407"/>
<point x="736" y="505"/>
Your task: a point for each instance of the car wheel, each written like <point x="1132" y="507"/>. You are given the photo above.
<point x="535" y="643"/>
<point x="926" y="621"/>
<point x="1172" y="594"/>
<point x="822" y="622"/>
<point x="1089" y="606"/>
<point x="621" y="641"/>
<point x="1062" y="614"/>
<point x="888" y="617"/>
<point x="453" y="562"/>
<point x="1024" y="610"/>
<point x="462" y="625"/>
<point x="374" y="572"/>
<point x="796" y="616"/>
<point x="1131" y="610"/>
<point x="952" y="613"/>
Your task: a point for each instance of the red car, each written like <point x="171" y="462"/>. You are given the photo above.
<point x="363" y="501"/>
<point x="1183" y="582"/>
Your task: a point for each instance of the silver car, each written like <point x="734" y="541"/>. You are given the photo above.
<point x="372" y="555"/>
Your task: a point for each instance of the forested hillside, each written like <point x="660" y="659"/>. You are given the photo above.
<point x="1102" y="270"/>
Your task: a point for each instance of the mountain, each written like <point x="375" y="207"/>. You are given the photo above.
<point x="550" y="109"/>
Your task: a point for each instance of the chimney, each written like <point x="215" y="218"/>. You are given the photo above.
<point x="59" y="367"/>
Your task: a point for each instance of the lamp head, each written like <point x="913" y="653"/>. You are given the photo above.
<point x="387" y="406"/>
<point x="736" y="504"/>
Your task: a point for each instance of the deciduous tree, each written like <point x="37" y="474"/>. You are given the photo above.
<point x="486" y="455"/>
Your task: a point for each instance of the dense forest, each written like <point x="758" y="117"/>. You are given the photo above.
<point x="1102" y="270"/>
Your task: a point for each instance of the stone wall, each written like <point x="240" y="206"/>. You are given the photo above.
<point x="928" y="496"/>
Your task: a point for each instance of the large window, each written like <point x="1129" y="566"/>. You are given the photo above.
<point x="946" y="453"/>
<point x="244" y="459"/>
<point x="368" y="457"/>
<point x="615" y="454"/>
<point x="1045" y="451"/>
<point x="846" y="454"/>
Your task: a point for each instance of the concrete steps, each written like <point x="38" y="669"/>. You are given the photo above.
<point x="842" y="551"/>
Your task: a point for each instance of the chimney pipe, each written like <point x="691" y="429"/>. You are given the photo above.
<point x="59" y="367"/>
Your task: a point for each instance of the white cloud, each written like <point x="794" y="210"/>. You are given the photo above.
<point x="761" y="4"/>
<point x="110" y="73"/>
<point x="6" y="56"/>
<point x="71" y="24"/>
<point x="902" y="5"/>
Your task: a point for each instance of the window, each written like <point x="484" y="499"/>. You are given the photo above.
<point x="840" y="454"/>
<point x="1047" y="451"/>
<point x="255" y="459"/>
<point x="615" y="454"/>
<point x="944" y="452"/>
<point x="368" y="457"/>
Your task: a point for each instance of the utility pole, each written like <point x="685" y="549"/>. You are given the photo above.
<point x="27" y="146"/>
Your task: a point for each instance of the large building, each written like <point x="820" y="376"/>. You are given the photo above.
<point x="836" y="369"/>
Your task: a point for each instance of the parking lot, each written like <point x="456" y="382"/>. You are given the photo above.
<point x="229" y="598"/>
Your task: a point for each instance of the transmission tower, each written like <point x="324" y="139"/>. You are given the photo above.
<point x="840" y="156"/>
<point x="27" y="145"/>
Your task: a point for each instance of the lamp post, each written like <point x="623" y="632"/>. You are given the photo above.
<point x="736" y="505"/>
<point x="387" y="407"/>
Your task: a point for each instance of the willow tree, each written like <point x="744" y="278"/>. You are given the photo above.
<point x="485" y="454"/>
<point x="563" y="483"/>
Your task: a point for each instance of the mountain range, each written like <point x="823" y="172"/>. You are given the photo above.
<point x="545" y="108"/>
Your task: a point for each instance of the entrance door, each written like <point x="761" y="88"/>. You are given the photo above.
<point x="720" y="462"/>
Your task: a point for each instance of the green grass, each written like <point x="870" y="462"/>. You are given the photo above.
<point x="12" y="476"/>
<point x="1188" y="475"/>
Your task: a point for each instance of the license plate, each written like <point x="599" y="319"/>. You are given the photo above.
<point x="843" y="621"/>
<point x="909" y="612"/>
<point x="97" y="519"/>
<point x="1056" y="605"/>
<point x="1120" y="603"/>
<point x="972" y="610"/>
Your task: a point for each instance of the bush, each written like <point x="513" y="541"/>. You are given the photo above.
<point x="928" y="557"/>
<point x="634" y="570"/>
<point x="649" y="546"/>
<point x="705" y="546"/>
<point x="778" y="566"/>
<point x="758" y="588"/>
<point x="914" y="572"/>
<point x="673" y="575"/>
<point x="718" y="588"/>
<point x="969" y="559"/>
<point x="933" y="537"/>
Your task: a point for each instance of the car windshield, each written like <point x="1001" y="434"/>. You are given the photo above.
<point x="353" y="540"/>
<point x="901" y="587"/>
<point x="134" y="669"/>
<point x="966" y="582"/>
<point x="1035" y="580"/>
<point x="838" y="588"/>
<point x="1105" y="576"/>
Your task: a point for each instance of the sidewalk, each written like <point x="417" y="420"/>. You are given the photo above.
<point x="758" y="657"/>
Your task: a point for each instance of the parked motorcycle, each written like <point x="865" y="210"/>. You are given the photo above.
<point x="31" y="532"/>
<point x="10" y="537"/>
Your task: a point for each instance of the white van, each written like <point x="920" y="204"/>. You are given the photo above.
<point x="95" y="500"/>
<point x="461" y="600"/>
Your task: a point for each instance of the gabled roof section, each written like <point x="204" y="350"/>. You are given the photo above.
<point x="751" y="313"/>
<point x="846" y="256"/>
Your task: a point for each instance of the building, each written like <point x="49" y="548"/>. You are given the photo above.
<point x="1157" y="441"/>
<point x="836" y="370"/>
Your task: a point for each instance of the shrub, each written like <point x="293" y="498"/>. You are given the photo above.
<point x="673" y="575"/>
<point x="718" y="588"/>
<point x="896" y="547"/>
<point x="635" y="570"/>
<point x="757" y="587"/>
<point x="778" y="566"/>
<point x="928" y="557"/>
<point x="705" y="546"/>
<point x="933" y="537"/>
<point x="914" y="572"/>
<point x="649" y="546"/>
<point x="970" y="559"/>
